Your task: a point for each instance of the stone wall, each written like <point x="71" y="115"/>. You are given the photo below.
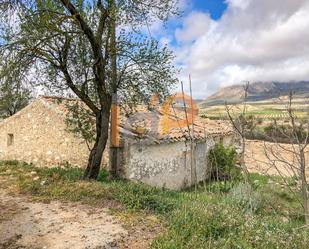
<point x="38" y="134"/>
<point x="165" y="165"/>
<point x="168" y="164"/>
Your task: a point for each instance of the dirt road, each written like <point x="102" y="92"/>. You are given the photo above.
<point x="26" y="224"/>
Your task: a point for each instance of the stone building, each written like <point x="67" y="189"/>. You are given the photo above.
<point x="155" y="146"/>
<point x="38" y="134"/>
<point x="163" y="158"/>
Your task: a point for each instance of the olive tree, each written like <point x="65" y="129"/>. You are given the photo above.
<point x="94" y="49"/>
<point x="13" y="96"/>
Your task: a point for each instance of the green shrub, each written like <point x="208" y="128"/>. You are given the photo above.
<point x="244" y="197"/>
<point x="222" y="163"/>
<point x="284" y="133"/>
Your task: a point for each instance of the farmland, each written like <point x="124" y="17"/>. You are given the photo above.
<point x="265" y="110"/>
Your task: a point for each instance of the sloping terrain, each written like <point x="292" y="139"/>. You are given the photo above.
<point x="257" y="91"/>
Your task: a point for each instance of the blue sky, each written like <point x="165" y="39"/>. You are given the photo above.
<point x="214" y="7"/>
<point x="225" y="42"/>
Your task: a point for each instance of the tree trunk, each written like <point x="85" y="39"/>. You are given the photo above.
<point x="304" y="185"/>
<point x="96" y="154"/>
<point x="114" y="146"/>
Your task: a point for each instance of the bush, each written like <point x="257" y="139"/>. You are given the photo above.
<point x="281" y="133"/>
<point x="245" y="198"/>
<point x="286" y="133"/>
<point x="222" y="161"/>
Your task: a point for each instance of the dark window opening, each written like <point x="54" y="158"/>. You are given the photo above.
<point x="10" y="139"/>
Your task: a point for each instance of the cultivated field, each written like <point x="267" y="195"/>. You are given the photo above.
<point x="266" y="109"/>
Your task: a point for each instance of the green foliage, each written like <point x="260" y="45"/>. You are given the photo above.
<point x="103" y="175"/>
<point x="62" y="54"/>
<point x="220" y="186"/>
<point x="258" y="180"/>
<point x="13" y="96"/>
<point x="80" y="121"/>
<point x="227" y="221"/>
<point x="217" y="224"/>
<point x="222" y="162"/>
<point x="285" y="132"/>
<point x="279" y="132"/>
<point x="244" y="197"/>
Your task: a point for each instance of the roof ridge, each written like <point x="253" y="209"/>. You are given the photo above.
<point x="56" y="97"/>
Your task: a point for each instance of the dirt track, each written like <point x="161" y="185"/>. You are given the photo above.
<point x="25" y="224"/>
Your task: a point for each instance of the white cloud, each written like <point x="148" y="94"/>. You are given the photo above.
<point x="243" y="4"/>
<point x="195" y="25"/>
<point x="264" y="40"/>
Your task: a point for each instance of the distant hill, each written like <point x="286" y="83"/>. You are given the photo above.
<point x="257" y="91"/>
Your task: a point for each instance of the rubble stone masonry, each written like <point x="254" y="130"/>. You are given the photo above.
<point x="38" y="134"/>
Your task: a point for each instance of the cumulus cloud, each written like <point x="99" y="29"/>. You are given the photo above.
<point x="265" y="40"/>
<point x="194" y="26"/>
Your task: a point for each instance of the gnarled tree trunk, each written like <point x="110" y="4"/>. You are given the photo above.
<point x="96" y="154"/>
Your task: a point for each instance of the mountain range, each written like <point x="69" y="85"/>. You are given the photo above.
<point x="257" y="91"/>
